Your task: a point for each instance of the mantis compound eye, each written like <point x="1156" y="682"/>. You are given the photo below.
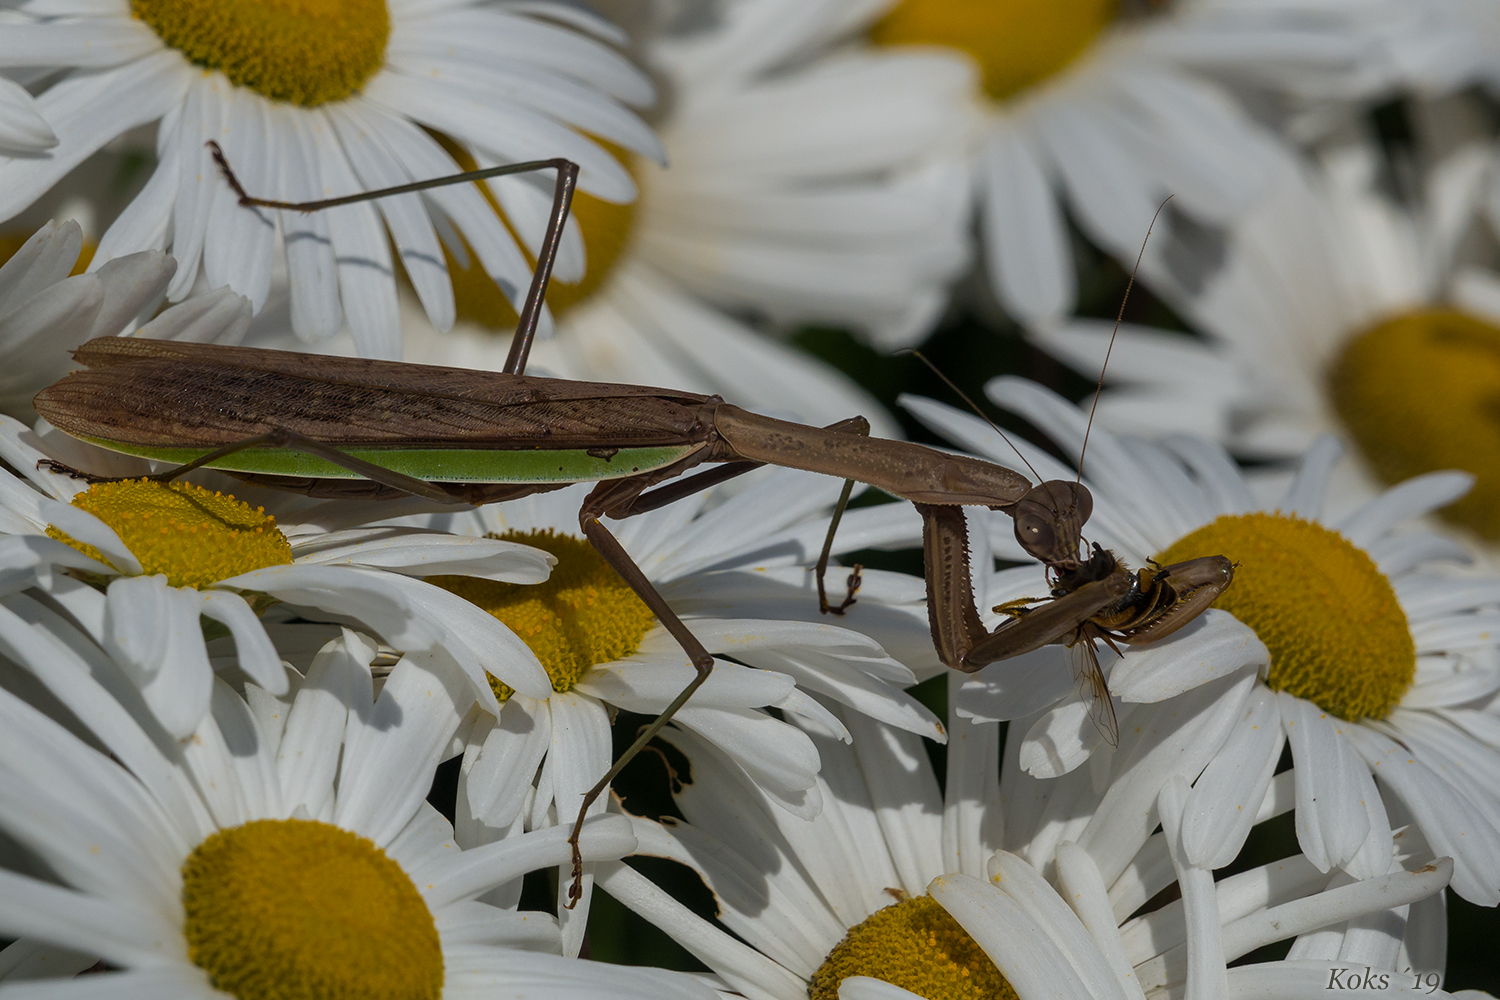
<point x="1035" y="533"/>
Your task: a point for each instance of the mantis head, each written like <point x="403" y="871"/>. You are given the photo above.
<point x="1049" y="522"/>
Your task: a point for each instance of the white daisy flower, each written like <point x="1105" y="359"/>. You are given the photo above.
<point x="808" y="184"/>
<point x="1342" y="312"/>
<point x="157" y="559"/>
<point x="1374" y="661"/>
<point x="287" y="849"/>
<point x="1101" y="112"/>
<point x="46" y="309"/>
<point x="899" y="890"/>
<point x="309" y="103"/>
<point x="740" y="594"/>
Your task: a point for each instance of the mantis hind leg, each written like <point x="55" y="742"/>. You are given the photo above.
<point x="606" y="497"/>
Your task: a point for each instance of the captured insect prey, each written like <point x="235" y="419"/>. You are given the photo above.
<point x="350" y="427"/>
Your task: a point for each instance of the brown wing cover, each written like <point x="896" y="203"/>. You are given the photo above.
<point x="164" y="394"/>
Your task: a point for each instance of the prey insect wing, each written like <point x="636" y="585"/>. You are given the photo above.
<point x="1094" y="690"/>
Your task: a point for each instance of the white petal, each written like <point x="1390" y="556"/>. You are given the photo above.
<point x="1304" y="497"/>
<point x="1205" y="955"/>
<point x="22" y="129"/>
<point x="1226" y="797"/>
<point x="1036" y="897"/>
<point x="405" y="215"/>
<point x="744" y="968"/>
<point x="497" y="778"/>
<point x="1334" y="906"/>
<point x="310" y="254"/>
<point x="647" y="684"/>
<point x="1018" y="687"/>
<point x="29" y="959"/>
<point x="143" y="223"/>
<point x="257" y="657"/>
<point x="86" y="110"/>
<point x="467" y="874"/>
<point x="238" y="240"/>
<point x="782" y="761"/>
<point x="1331" y="820"/>
<point x="1031" y="263"/>
<point x="865" y="988"/>
<point x="1028" y="958"/>
<point x="88" y="529"/>
<point x="480" y="923"/>
<point x="133" y="284"/>
<point x="1413" y="498"/>
<point x="308" y="758"/>
<point x="1449" y="822"/>
<point x="415" y="617"/>
<point x="1177" y="737"/>
<point x="391" y="757"/>
<point x="428" y="553"/>
<point x="93" y="688"/>
<point x="1083" y="889"/>
<point x="106" y="848"/>
<point x="152" y="630"/>
<point x="367" y="285"/>
<point x="1215" y="645"/>
<point x="904" y="795"/>
<point x="474" y="973"/>
<point x="1062" y="739"/>
<point x="118" y="930"/>
<point x="218" y="317"/>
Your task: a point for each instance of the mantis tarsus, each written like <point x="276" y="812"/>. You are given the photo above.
<point x="348" y="427"/>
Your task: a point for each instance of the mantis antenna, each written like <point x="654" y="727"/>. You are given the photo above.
<point x="1119" y="318"/>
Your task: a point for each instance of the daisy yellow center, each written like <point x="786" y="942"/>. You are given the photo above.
<point x="306" y="52"/>
<point x="1017" y="43"/>
<point x="1330" y="618"/>
<point x="1420" y="392"/>
<point x="193" y="535"/>
<point x="294" y="909"/>
<point x="916" y="945"/>
<point x="606" y="229"/>
<point x="583" y="615"/>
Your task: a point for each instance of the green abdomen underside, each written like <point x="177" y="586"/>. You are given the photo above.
<point x="437" y="465"/>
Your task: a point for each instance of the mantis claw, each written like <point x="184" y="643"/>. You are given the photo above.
<point x="856" y="577"/>
<point x="52" y="465"/>
<point x="575" y="889"/>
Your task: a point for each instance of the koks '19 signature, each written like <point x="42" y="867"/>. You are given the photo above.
<point x="1368" y="979"/>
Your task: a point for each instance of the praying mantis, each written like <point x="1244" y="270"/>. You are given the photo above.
<point x="351" y="427"/>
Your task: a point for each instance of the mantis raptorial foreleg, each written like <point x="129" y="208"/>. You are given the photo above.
<point x="958" y="633"/>
<point x="821" y="570"/>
